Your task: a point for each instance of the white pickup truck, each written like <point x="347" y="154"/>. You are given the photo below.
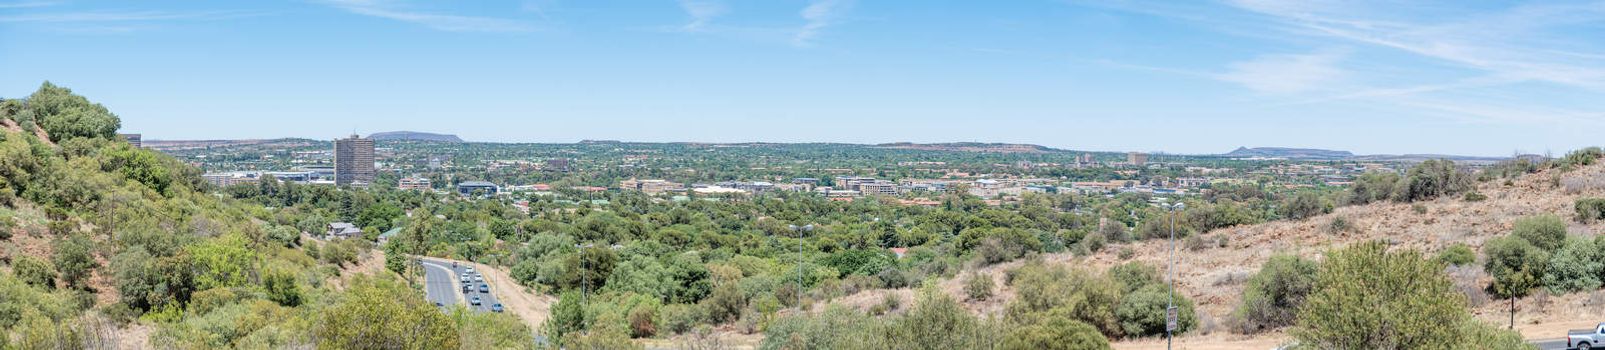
<point x="1586" y="339"/>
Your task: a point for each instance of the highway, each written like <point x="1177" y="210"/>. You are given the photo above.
<point x="442" y="285"/>
<point x="1550" y="344"/>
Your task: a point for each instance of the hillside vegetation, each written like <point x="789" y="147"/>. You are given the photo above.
<point x="106" y="245"/>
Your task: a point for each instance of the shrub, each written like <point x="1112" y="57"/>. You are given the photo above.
<point x="1431" y="179"/>
<point x="1339" y="224"/>
<point x="1304" y="205"/>
<point x="378" y="313"/>
<point x="34" y="271"/>
<point x="1094" y="242"/>
<point x="1126" y="253"/>
<point x="1418" y="208"/>
<point x="1590" y="209"/>
<point x="1042" y="291"/>
<point x="1581" y="157"/>
<point x="1057" y="333"/>
<point x="680" y="318"/>
<point x="725" y="303"/>
<point x="1273" y="296"/>
<point x="1142" y="313"/>
<point x="1373" y="187"/>
<point x="74" y="259"/>
<point x="893" y="278"/>
<point x="1547" y="232"/>
<point x="643" y="322"/>
<point x="1368" y="298"/>
<point x="1575" y="267"/>
<point x="1474" y="197"/>
<point x="1457" y="254"/>
<point x="1134" y="275"/>
<point x="978" y="286"/>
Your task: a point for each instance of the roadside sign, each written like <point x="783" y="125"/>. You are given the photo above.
<point x="1170" y="319"/>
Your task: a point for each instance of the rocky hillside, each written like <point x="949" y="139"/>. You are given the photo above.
<point x="1213" y="269"/>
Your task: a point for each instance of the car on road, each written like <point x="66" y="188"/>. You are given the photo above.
<point x="468" y="288"/>
<point x="484" y="288"/>
<point x="474" y="301"/>
<point x="438" y="304"/>
<point x="1586" y="339"/>
<point x="496" y="307"/>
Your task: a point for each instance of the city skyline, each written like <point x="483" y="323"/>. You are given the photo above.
<point x="1371" y="78"/>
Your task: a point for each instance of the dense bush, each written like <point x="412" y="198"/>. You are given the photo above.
<point x="1576" y="266"/>
<point x="1304" y="205"/>
<point x="1547" y="232"/>
<point x="1431" y="179"/>
<point x="379" y="313"/>
<point x="1581" y="157"/>
<point x="1134" y="275"/>
<point x="1457" y="254"/>
<point x="1055" y="334"/>
<point x="34" y="271"/>
<point x="1590" y="209"/>
<point x="1142" y="313"/>
<point x="1273" y="296"/>
<point x="1043" y="291"/>
<point x="1368" y="298"/>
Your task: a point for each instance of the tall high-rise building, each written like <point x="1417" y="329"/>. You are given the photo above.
<point x="1137" y="158"/>
<point x="353" y="160"/>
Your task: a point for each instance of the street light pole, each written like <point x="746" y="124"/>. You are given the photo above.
<point x="1170" y="305"/>
<point x="800" y="230"/>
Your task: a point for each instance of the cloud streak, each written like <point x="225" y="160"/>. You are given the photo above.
<point x="817" y="16"/>
<point x="438" y="21"/>
<point x="1287" y="74"/>
<point x="702" y="12"/>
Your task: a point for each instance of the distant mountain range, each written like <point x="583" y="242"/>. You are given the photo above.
<point x="1324" y="154"/>
<point x="414" y="136"/>
<point x="1290" y="153"/>
<point x="970" y="147"/>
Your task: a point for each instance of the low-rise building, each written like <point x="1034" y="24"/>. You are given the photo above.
<point x="468" y="188"/>
<point x="414" y="183"/>
<point x="342" y="230"/>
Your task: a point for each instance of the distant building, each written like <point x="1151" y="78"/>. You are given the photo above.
<point x="414" y="183"/>
<point x="1136" y="158"/>
<point x="353" y="160"/>
<point x="878" y="187"/>
<point x="467" y="188"/>
<point x="651" y="186"/>
<point x="134" y="139"/>
<point x="557" y="164"/>
<point x="850" y="182"/>
<point x="341" y="230"/>
<point x="228" y="179"/>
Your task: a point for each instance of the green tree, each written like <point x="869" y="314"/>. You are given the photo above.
<point x="568" y="317"/>
<point x="74" y="259"/>
<point x="66" y="115"/>
<point x="1516" y="266"/>
<point x="379" y="313"/>
<point x="1368" y="298"/>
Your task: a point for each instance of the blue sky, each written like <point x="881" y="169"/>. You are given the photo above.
<point x="1461" y="77"/>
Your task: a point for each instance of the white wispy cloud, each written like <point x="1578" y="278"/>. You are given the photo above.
<point x="817" y="16"/>
<point x="701" y="12"/>
<point x="1519" y="44"/>
<point x="1286" y="74"/>
<point x="27" y="4"/>
<point x="129" y="16"/>
<point x="439" y="21"/>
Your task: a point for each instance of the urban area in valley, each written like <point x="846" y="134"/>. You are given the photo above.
<point x="802" y="175"/>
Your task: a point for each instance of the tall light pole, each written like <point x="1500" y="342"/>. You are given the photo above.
<point x="1170" y="305"/>
<point x="800" y="230"/>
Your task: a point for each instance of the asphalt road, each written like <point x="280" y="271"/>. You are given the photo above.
<point x="442" y="284"/>
<point x="1550" y="344"/>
